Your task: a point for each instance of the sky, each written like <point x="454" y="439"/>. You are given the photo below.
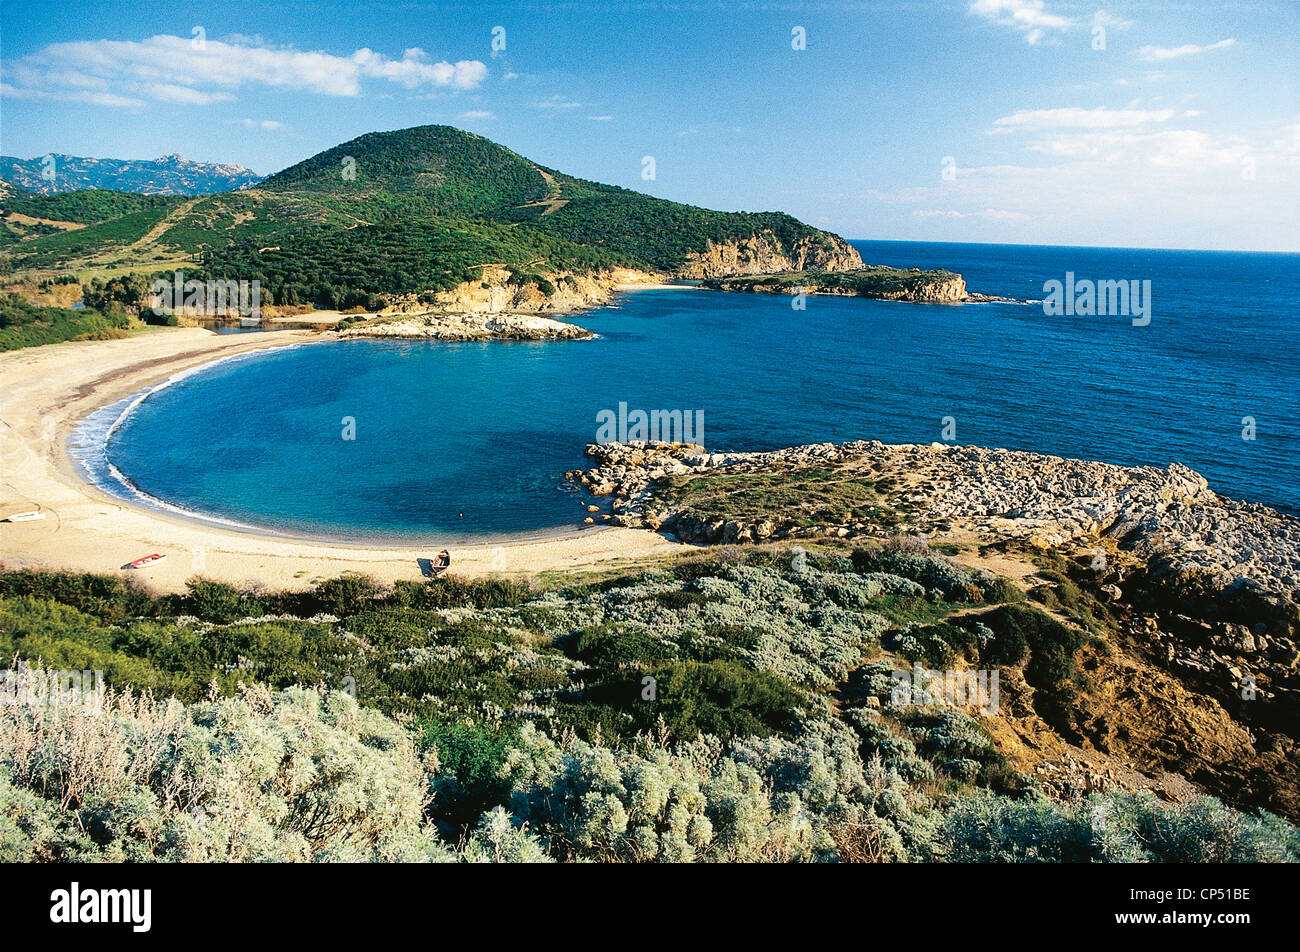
<point x="1144" y="124"/>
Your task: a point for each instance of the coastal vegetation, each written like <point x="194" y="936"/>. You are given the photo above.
<point x="23" y="324"/>
<point x="737" y="706"/>
<point x="805" y="496"/>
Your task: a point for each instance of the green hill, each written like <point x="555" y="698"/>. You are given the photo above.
<point x="416" y="210"/>
<point x="427" y="170"/>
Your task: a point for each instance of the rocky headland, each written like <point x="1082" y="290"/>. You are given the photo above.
<point x="872" y="281"/>
<point x="1191" y="599"/>
<point x="1045" y="501"/>
<point x="500" y="304"/>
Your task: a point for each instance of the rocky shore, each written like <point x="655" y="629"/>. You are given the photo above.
<point x="510" y="295"/>
<point x="1047" y="501"/>
<point x="468" y="327"/>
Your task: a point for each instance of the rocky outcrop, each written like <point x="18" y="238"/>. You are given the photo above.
<point x="463" y="327"/>
<point x="1045" y="501"/>
<point x="875" y="281"/>
<point x="497" y="292"/>
<point x="950" y="289"/>
<point x="765" y="254"/>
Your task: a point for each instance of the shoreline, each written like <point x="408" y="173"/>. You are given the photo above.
<point x="88" y="529"/>
<point x="96" y="529"/>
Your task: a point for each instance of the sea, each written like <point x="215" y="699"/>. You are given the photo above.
<point x="405" y="442"/>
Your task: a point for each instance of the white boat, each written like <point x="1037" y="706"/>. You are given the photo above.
<point x="25" y="516"/>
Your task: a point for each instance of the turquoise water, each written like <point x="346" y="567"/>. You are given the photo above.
<point x="466" y="441"/>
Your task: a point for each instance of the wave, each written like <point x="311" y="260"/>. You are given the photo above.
<point x="87" y="445"/>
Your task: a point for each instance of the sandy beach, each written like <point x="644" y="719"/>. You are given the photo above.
<point x="47" y="390"/>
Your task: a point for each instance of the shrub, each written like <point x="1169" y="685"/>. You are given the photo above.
<point x="471" y="756"/>
<point x="609" y="647"/>
<point x="678" y="599"/>
<point x="1019" y="628"/>
<point x="450" y="591"/>
<point x="711" y="697"/>
<point x="347" y="594"/>
<point x="217" y="602"/>
<point x="1115" y="827"/>
<point x="107" y="597"/>
<point x="287" y="776"/>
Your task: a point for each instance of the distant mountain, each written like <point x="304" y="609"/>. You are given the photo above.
<point x="412" y="212"/>
<point x="169" y="175"/>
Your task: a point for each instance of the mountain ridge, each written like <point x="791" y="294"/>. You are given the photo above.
<point x="171" y="174"/>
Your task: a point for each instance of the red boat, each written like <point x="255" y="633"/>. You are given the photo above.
<point x="147" y="560"/>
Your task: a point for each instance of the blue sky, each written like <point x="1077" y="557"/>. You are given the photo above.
<point x="969" y="120"/>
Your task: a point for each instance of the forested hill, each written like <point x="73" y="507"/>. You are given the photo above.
<point x="412" y="211"/>
<point x="426" y="170"/>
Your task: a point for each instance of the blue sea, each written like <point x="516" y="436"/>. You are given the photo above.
<point x="457" y="442"/>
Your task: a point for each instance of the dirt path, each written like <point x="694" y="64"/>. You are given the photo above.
<point x="552" y="202"/>
<point x="156" y="232"/>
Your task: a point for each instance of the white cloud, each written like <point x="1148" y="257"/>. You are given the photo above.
<point x="1167" y="148"/>
<point x="170" y="92"/>
<point x="269" y="125"/>
<point x="173" y="69"/>
<point x="1074" y="118"/>
<point x="600" y="118"/>
<point x="478" y="114"/>
<point x="1030" y="17"/>
<point x="988" y="214"/>
<point x="1158" y="54"/>
<point x="71" y="95"/>
<point x="414" y="69"/>
<point x="1107" y="19"/>
<point x="558" y="102"/>
<point x="1149" y="185"/>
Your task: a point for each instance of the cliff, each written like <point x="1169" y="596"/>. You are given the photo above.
<point x="763" y="253"/>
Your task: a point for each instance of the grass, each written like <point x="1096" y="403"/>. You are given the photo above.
<point x="808" y="496"/>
